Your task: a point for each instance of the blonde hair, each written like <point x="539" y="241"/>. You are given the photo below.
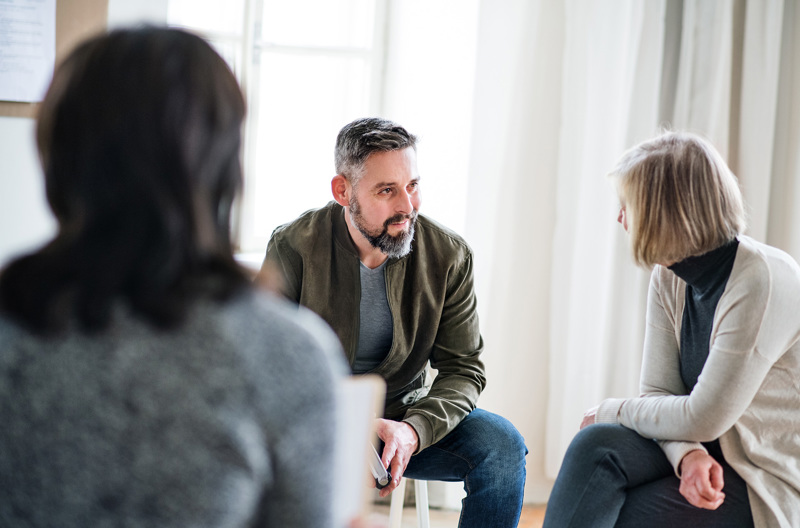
<point x="681" y="198"/>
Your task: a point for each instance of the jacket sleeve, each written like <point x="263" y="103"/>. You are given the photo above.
<point x="740" y="356"/>
<point x="282" y="268"/>
<point x="456" y="355"/>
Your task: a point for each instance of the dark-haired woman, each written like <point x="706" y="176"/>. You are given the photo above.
<point x="720" y="392"/>
<point x="143" y="381"/>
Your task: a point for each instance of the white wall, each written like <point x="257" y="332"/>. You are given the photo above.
<point x="430" y="72"/>
<point x="25" y="220"/>
<point x="125" y="12"/>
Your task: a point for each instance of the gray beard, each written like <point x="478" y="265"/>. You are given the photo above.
<point x="391" y="246"/>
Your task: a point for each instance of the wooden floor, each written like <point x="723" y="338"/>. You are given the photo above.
<point x="532" y="517"/>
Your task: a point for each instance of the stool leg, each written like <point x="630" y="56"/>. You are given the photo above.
<point x="396" y="505"/>
<point x="421" y="493"/>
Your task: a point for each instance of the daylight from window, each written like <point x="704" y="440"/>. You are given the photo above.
<point x="306" y="76"/>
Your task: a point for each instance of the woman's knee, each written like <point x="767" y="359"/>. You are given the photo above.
<point x="598" y="440"/>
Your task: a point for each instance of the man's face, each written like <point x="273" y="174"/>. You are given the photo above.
<point x="383" y="205"/>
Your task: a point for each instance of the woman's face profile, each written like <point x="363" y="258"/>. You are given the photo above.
<point x="622" y="217"/>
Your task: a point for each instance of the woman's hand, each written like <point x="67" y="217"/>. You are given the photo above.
<point x="589" y="417"/>
<point x="701" y="480"/>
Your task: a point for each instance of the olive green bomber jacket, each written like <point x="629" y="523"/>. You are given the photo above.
<point x="432" y="300"/>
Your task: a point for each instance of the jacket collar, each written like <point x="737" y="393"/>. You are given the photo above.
<point x="340" y="232"/>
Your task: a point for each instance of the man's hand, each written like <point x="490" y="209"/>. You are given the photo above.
<point x="701" y="480"/>
<point x="401" y="441"/>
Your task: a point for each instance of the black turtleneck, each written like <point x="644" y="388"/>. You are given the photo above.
<point x="705" y="276"/>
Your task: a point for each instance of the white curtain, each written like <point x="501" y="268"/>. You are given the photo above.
<point x="562" y="89"/>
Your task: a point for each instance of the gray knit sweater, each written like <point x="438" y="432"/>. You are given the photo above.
<point x="224" y="422"/>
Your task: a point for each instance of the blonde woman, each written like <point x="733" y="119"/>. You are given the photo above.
<point x="713" y="440"/>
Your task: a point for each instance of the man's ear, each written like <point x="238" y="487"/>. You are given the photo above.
<point x="341" y="190"/>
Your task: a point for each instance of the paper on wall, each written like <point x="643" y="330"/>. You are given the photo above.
<point x="27" y="48"/>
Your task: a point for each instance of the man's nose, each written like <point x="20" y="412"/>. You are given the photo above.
<point x="404" y="202"/>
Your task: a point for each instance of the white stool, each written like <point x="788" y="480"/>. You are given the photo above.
<point x="421" y="496"/>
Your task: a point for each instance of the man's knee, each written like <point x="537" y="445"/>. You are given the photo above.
<point x="501" y="438"/>
<point x="513" y="441"/>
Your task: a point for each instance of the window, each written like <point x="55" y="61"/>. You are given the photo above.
<point x="311" y="66"/>
<point x="305" y="77"/>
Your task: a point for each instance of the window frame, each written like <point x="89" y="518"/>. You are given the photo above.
<point x="249" y="72"/>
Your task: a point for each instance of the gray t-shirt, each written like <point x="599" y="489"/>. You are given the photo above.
<point x="375" y="326"/>
<point x="220" y="422"/>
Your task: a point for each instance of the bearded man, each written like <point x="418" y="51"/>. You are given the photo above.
<point x="397" y="288"/>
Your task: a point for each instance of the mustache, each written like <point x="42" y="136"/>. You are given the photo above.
<point x="399" y="218"/>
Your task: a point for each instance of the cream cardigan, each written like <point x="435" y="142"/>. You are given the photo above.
<point x="748" y="394"/>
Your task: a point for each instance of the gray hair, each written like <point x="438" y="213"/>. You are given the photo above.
<point x="358" y="140"/>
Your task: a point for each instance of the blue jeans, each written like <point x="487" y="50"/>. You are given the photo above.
<point x="612" y="476"/>
<point x="487" y="453"/>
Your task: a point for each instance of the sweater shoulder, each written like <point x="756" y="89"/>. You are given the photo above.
<point x="766" y="279"/>
<point x="766" y="266"/>
<point x="267" y="315"/>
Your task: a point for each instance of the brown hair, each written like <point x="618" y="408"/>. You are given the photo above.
<point x="139" y="137"/>
<point x="681" y="198"/>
